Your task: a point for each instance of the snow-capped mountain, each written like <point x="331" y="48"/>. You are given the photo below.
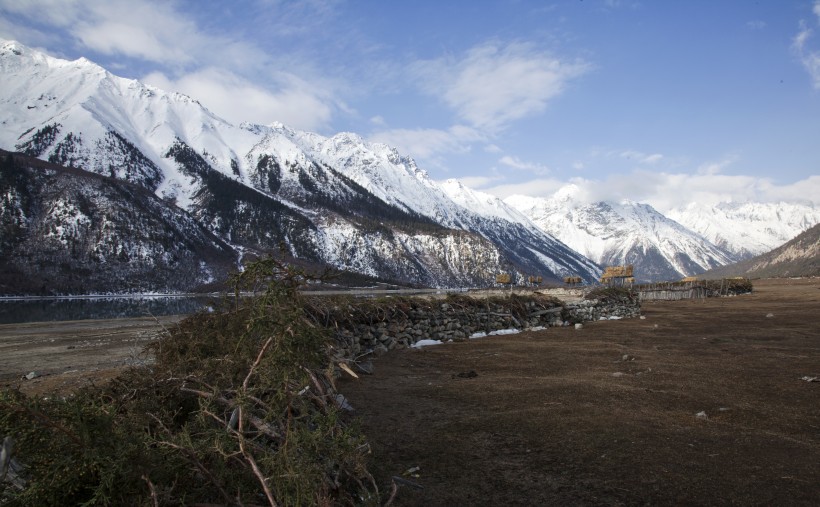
<point x="797" y="257"/>
<point x="623" y="233"/>
<point x="747" y="229"/>
<point x="339" y="200"/>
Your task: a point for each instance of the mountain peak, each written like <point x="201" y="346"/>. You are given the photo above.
<point x="570" y="192"/>
<point x="612" y="233"/>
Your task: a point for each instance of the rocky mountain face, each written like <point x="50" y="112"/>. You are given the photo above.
<point x="69" y="231"/>
<point x="337" y="201"/>
<point x="623" y="233"/>
<point x="798" y="257"/>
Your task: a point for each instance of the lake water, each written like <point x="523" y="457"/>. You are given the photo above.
<point x="79" y="308"/>
<point x="16" y="310"/>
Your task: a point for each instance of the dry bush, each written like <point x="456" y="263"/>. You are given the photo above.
<point x="239" y="408"/>
<point x="613" y="294"/>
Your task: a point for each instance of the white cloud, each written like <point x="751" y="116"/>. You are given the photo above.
<point x="429" y="143"/>
<point x="808" y="57"/>
<point x="479" y="182"/>
<point x="517" y="163"/>
<point x="642" y="158"/>
<point x="492" y="148"/>
<point x="495" y="84"/>
<point x="295" y="103"/>
<point x="151" y="31"/>
<point x="665" y="191"/>
<point x="378" y="121"/>
<point x="234" y="78"/>
<point x="756" y="24"/>
<point x="539" y="187"/>
<point x="713" y="168"/>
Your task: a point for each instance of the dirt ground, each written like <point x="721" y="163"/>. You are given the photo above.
<point x="604" y="415"/>
<point x="608" y="414"/>
<point x="64" y="356"/>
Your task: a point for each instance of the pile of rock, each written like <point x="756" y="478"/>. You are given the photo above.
<point x="365" y="326"/>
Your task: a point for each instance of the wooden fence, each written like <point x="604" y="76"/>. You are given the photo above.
<point x="671" y="291"/>
<point x="693" y="289"/>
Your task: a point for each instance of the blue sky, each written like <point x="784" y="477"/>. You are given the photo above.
<point x="656" y="101"/>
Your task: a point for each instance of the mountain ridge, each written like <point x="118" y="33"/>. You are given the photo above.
<point x="799" y="256"/>
<point x="623" y="233"/>
<point x="342" y="201"/>
<point x="767" y="225"/>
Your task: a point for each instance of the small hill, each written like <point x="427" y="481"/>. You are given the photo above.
<point x="798" y="257"/>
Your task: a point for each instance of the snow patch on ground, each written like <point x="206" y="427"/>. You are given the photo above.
<point x="500" y="332"/>
<point x="426" y="343"/>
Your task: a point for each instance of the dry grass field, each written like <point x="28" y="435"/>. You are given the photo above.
<point x="607" y="414"/>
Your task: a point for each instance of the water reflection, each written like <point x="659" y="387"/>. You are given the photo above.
<point x="53" y="309"/>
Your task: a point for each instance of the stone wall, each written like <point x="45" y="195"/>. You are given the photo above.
<point x="365" y="326"/>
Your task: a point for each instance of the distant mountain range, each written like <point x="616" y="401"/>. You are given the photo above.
<point x="747" y="229"/>
<point x="175" y="196"/>
<point x="623" y="233"/>
<point x="798" y="257"/>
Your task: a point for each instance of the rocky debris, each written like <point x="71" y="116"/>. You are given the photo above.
<point x="342" y="403"/>
<point x="360" y="329"/>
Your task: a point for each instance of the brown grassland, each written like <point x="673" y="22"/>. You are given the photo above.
<point x="602" y="415"/>
<point x="558" y="417"/>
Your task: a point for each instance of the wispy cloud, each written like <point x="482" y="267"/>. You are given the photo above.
<point x="294" y="102"/>
<point x="495" y="83"/>
<point x="151" y="31"/>
<point x="716" y="167"/>
<point x="666" y="191"/>
<point x="756" y="24"/>
<point x="480" y="182"/>
<point x="430" y="143"/>
<point x="640" y="157"/>
<point x="517" y="163"/>
<point x="234" y="78"/>
<point x="809" y="57"/>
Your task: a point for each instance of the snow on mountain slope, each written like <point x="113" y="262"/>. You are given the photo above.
<point x="83" y="104"/>
<point x="378" y="168"/>
<point x="797" y="257"/>
<point x="483" y="204"/>
<point x="623" y="233"/>
<point x="260" y="186"/>
<point x="747" y="229"/>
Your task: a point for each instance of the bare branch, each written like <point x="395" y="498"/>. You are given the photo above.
<point x="154" y="498"/>
<point x="256" y="363"/>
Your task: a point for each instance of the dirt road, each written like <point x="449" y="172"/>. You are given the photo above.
<point x="609" y="414"/>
